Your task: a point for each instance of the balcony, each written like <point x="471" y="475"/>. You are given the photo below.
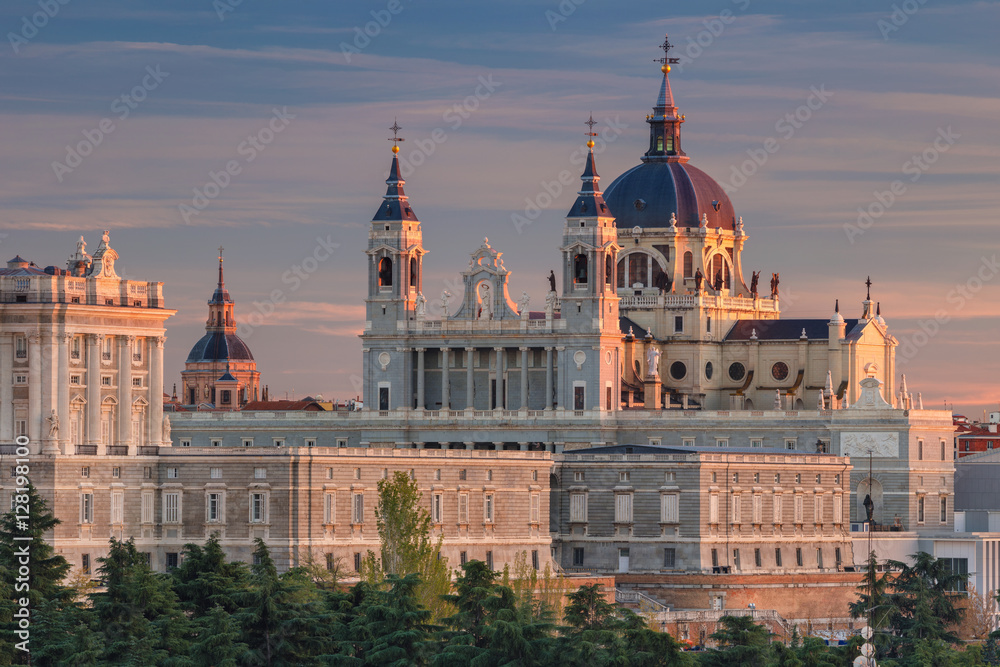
<point x="117" y="450"/>
<point x="148" y="450"/>
<point x="89" y="450"/>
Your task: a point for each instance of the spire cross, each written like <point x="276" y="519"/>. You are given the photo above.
<point x="395" y="133"/>
<point x="220" y="253"/>
<point x="666" y="59"/>
<point x="591" y="123"/>
<point x="868" y="283"/>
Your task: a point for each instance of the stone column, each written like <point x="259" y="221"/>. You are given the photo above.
<point x="124" y="390"/>
<point x="34" y="388"/>
<point x="524" y="378"/>
<point x="93" y="427"/>
<point x="445" y="379"/>
<point x="155" y="362"/>
<point x="470" y="353"/>
<point x="62" y="395"/>
<point x="500" y="392"/>
<point x="420" y="378"/>
<point x="548" y="378"/>
<point x="6" y="389"/>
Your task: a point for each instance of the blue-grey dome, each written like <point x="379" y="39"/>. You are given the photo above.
<point x="648" y="194"/>
<point x="218" y="346"/>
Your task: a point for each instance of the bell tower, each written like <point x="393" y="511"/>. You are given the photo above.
<point x="590" y="255"/>
<point x="395" y="251"/>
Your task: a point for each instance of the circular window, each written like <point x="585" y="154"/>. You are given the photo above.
<point x="779" y="371"/>
<point x="737" y="371"/>
<point x="708" y="371"/>
<point x="678" y="370"/>
<point x="640" y="204"/>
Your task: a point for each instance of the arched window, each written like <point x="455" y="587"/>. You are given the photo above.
<point x="622" y="272"/>
<point x="688" y="264"/>
<point x="413" y="272"/>
<point x="609" y="270"/>
<point x="638" y="269"/>
<point x="580" y="269"/>
<point x="670" y="144"/>
<point x="385" y="272"/>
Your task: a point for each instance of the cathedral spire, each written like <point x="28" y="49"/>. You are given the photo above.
<point x="395" y="205"/>
<point x="222" y="282"/>
<point x="590" y="201"/>
<point x="665" y="121"/>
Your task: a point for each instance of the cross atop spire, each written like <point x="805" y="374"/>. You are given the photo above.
<point x="590" y="123"/>
<point x="221" y="281"/>
<point x="868" y="284"/>
<point x="666" y="60"/>
<point x="395" y="136"/>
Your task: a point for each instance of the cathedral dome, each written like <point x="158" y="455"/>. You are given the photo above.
<point x="647" y="195"/>
<point x="219" y="346"/>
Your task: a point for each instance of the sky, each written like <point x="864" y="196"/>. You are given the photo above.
<point x="880" y="117"/>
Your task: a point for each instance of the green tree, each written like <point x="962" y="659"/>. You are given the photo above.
<point x="922" y="599"/>
<point x="46" y="569"/>
<point x="217" y="640"/>
<point x="138" y="612"/>
<point x="741" y="642"/>
<point x="404" y="528"/>
<point x="205" y="579"/>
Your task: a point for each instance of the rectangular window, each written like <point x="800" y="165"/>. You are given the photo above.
<point x="535" y="508"/>
<point x="171" y="473"/>
<point x="87" y="508"/>
<point x="756" y="557"/>
<point x="278" y="442"/>
<point x="737" y="507"/>
<point x="776" y="507"/>
<point x="73" y="379"/>
<point x="20" y="347"/>
<point x="358" y="508"/>
<point x="85" y="471"/>
<point x="819" y="558"/>
<point x="958" y="566"/>
<point x="799" y="508"/>
<point x="777" y="478"/>
<point x="579" y="398"/>
<point x="623" y="508"/>
<point x="258" y="508"/>
<point x="624" y="476"/>
<point x="331" y="562"/>
<point x="171" y="507"/>
<point x="670" y="476"/>
<point x="437" y="475"/>
<point x="756" y="478"/>
<point x="942" y="450"/>
<point x="920" y="509"/>
<point x="137" y="382"/>
<point x="437" y="508"/>
<point x="818" y="509"/>
<point x="116" y="472"/>
<point x="248" y="442"/>
<point x="463" y="508"/>
<point x="117" y="507"/>
<point x="836" y="557"/>
<point x="687" y="442"/>
<point x="215" y="473"/>
<point x="462" y="475"/>
<point x="357" y="561"/>
<point x="678" y="324"/>
<point x="260" y="473"/>
<point x="669" y="511"/>
<point x="213" y="507"/>
<point x="578" y="507"/>
<point x="309" y="442"/>
<point x="920" y="450"/>
<point x="105" y="380"/>
<point x="838" y="509"/>
<point x="216" y="442"/>
<point x="342" y="442"/>
<point x="329" y="473"/>
<point x="715" y="558"/>
<point x="777" y="556"/>
<point x="756" y="442"/>
<point x="736" y="558"/>
<point x="722" y="442"/>
<point x="85" y="563"/>
<point x="944" y="509"/>
<point x="578" y="476"/>
<point x="534" y="559"/>
<point x="357" y="473"/>
<point x="736" y="478"/>
<point x="146" y="507"/>
<point x="577" y="556"/>
<point x="330" y="508"/>
<point x="185" y="442"/>
<point x="758" y="508"/>
<point x="488" y="508"/>
<point x="713" y="508"/>
<point x="798" y="556"/>
<point x="489" y="559"/>
<point x="819" y="478"/>
<point x="790" y="443"/>
<point x="669" y="558"/>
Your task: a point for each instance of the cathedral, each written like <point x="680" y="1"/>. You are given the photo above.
<point x="656" y="415"/>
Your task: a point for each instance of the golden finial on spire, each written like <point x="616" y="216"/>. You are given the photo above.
<point x="395" y="136"/>
<point x="590" y="123"/>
